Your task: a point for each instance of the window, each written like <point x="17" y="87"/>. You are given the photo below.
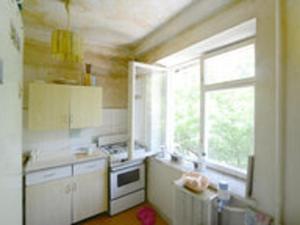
<point x="185" y="83"/>
<point x="232" y="65"/>
<point x="212" y="108"/>
<point x="228" y="106"/>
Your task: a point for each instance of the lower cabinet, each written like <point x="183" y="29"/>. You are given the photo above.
<point x="49" y="203"/>
<point x="66" y="195"/>
<point x="89" y="195"/>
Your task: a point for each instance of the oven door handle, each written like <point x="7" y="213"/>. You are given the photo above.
<point x="129" y="166"/>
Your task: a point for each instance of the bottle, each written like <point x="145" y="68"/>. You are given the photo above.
<point x="223" y="195"/>
<point x="87" y="79"/>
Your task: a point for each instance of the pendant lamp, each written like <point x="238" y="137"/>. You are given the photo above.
<point x="66" y="45"/>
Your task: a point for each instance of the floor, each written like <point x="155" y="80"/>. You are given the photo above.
<point x="126" y="218"/>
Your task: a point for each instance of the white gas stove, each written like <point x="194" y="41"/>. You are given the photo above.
<point x="117" y="149"/>
<point x="117" y="153"/>
<point x="126" y="177"/>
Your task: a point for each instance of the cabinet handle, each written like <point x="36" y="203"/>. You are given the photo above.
<point x="68" y="189"/>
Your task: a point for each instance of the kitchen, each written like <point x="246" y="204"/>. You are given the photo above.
<point x="149" y="112"/>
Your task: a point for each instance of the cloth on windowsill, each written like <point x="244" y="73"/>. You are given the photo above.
<point x="195" y="182"/>
<point x="253" y="217"/>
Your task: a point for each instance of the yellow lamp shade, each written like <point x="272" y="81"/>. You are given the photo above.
<point x="66" y="46"/>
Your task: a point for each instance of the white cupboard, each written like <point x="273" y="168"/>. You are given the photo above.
<point x="49" y="203"/>
<point x="89" y="196"/>
<point x="66" y="195"/>
<point x="53" y="106"/>
<point x="90" y="189"/>
<point x="86" y="103"/>
<point x="48" y="107"/>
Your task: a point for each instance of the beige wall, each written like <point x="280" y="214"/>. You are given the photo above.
<point x="263" y="10"/>
<point x="109" y="66"/>
<point x="292" y="178"/>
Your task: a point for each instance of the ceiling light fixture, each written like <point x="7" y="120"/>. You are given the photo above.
<point x="66" y="45"/>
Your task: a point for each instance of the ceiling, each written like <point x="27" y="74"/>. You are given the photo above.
<point x="110" y="23"/>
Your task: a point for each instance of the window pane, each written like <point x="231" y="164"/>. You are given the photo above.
<point x="150" y="109"/>
<point x="186" y="86"/>
<point x="229" y="136"/>
<point x="232" y="65"/>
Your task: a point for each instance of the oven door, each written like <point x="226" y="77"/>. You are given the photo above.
<point x="127" y="180"/>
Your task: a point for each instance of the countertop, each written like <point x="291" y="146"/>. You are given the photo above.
<point x="69" y="158"/>
<point x="62" y="160"/>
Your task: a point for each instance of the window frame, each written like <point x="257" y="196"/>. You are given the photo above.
<point x="170" y="106"/>
<point x="204" y="88"/>
<point x="225" y="85"/>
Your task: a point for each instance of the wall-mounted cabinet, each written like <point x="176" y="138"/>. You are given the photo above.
<point x="86" y="107"/>
<point x="53" y="107"/>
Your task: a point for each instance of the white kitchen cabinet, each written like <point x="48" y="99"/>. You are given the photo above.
<point x="85" y="110"/>
<point x="89" y="195"/>
<point x="53" y="106"/>
<point x="48" y="107"/>
<point x="49" y="203"/>
<point x="66" y="195"/>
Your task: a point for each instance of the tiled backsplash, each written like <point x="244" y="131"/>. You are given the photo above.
<point x="114" y="121"/>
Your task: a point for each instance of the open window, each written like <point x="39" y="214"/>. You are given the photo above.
<point x="202" y="107"/>
<point x="147" y="108"/>
<point x="184" y="110"/>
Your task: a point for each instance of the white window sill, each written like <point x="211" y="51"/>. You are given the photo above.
<point x="237" y="185"/>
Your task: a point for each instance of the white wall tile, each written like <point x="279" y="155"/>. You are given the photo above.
<point x="114" y="121"/>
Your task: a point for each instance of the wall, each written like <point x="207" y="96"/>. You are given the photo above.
<point x="108" y="65"/>
<point x="263" y="11"/>
<point x="292" y="179"/>
<point x="114" y="122"/>
<point x="10" y="115"/>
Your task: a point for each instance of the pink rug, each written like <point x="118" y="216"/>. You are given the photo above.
<point x="146" y="215"/>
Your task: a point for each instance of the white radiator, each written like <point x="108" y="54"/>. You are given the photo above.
<point x="190" y="208"/>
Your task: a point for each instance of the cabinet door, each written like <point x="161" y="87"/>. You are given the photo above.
<point x="86" y="107"/>
<point x="89" y="195"/>
<point x="49" y="107"/>
<point x="49" y="203"/>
